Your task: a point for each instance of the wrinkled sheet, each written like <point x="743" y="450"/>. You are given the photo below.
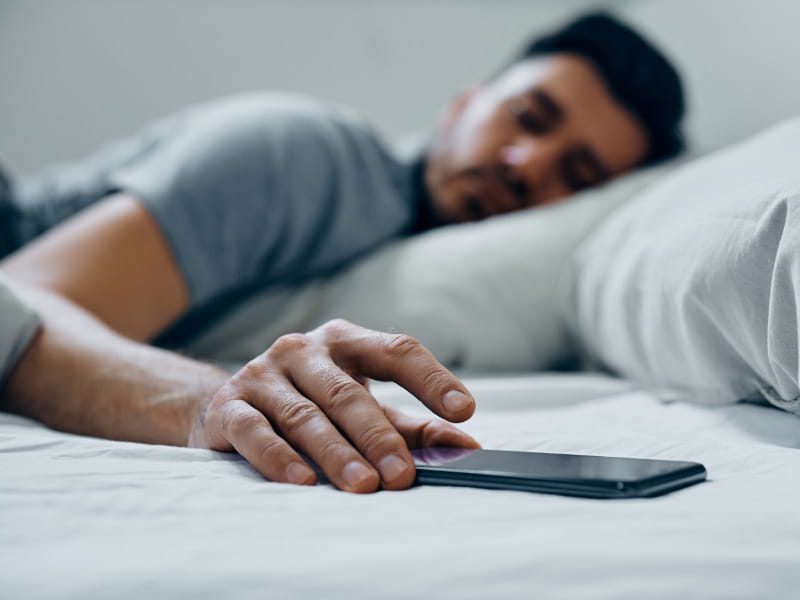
<point x="88" y="518"/>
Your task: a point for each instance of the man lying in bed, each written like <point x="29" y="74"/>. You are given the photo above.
<point x="155" y="235"/>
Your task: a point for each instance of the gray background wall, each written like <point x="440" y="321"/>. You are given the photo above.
<point x="74" y="73"/>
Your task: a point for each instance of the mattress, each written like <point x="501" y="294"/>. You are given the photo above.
<point x="89" y="518"/>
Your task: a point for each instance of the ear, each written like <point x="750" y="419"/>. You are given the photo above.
<point x="458" y="105"/>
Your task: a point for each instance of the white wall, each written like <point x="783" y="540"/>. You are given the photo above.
<point x="740" y="59"/>
<point x="74" y="73"/>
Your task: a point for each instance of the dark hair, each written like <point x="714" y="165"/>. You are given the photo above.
<point x="638" y="75"/>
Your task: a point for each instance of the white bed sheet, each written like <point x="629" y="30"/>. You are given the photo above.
<point x="87" y="518"/>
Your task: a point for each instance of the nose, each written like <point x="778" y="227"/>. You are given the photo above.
<point x="531" y="159"/>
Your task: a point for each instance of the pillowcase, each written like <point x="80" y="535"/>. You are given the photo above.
<point x="480" y="296"/>
<point x="693" y="286"/>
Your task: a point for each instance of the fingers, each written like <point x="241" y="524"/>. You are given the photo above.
<point x="251" y="435"/>
<point x="301" y="427"/>
<point x="399" y="358"/>
<point x="423" y="433"/>
<point x="356" y="414"/>
<point x="311" y="430"/>
<point x="307" y="394"/>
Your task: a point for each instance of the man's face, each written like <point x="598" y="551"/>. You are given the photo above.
<point x="539" y="132"/>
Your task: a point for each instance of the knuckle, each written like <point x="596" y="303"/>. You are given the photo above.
<point x="429" y="433"/>
<point x="228" y="392"/>
<point x="255" y="370"/>
<point x="334" y="447"/>
<point x="255" y="375"/>
<point x="436" y="379"/>
<point x="289" y="344"/>
<point x="338" y="325"/>
<point x="376" y="439"/>
<point x="271" y="450"/>
<point x="334" y="329"/>
<point x="295" y="414"/>
<point x="343" y="392"/>
<point x="235" y="422"/>
<point x="401" y="345"/>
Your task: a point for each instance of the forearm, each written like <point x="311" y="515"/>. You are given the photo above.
<point x="79" y="376"/>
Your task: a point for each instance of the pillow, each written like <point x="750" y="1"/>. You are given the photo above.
<point x="692" y="287"/>
<point x="479" y="296"/>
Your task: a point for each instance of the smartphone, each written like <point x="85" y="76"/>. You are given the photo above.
<point x="566" y="474"/>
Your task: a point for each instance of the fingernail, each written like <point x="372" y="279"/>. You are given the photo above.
<point x="392" y="467"/>
<point x="455" y="401"/>
<point x="355" y="473"/>
<point x="299" y="474"/>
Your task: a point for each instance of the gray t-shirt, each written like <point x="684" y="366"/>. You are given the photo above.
<point x="18" y="324"/>
<point x="249" y="191"/>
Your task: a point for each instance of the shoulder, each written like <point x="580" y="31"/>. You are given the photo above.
<point x="254" y="138"/>
<point x="283" y="130"/>
<point x="283" y="114"/>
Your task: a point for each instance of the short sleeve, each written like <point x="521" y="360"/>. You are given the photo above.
<point x="18" y="325"/>
<point x="262" y="188"/>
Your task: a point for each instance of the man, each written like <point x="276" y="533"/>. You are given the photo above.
<point x="159" y="233"/>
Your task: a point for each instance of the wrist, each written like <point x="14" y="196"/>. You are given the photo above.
<point x="197" y="410"/>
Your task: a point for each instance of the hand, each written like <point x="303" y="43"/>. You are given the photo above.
<point x="307" y="394"/>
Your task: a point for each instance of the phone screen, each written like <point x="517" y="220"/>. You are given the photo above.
<point x="573" y="474"/>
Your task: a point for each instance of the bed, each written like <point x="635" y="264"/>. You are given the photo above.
<point x="684" y="280"/>
<point x="84" y="517"/>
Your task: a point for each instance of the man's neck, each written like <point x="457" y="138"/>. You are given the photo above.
<point x="424" y="218"/>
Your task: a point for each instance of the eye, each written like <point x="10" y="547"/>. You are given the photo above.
<point x="581" y="169"/>
<point x="527" y="118"/>
<point x="574" y="173"/>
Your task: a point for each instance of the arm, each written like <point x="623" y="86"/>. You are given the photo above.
<point x="223" y="197"/>
<point x="113" y="261"/>
<point x="303" y="395"/>
<point x="79" y="376"/>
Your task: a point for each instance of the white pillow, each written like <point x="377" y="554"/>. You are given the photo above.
<point x="480" y="296"/>
<point x="693" y="286"/>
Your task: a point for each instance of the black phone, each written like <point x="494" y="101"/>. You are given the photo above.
<point x="566" y="474"/>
